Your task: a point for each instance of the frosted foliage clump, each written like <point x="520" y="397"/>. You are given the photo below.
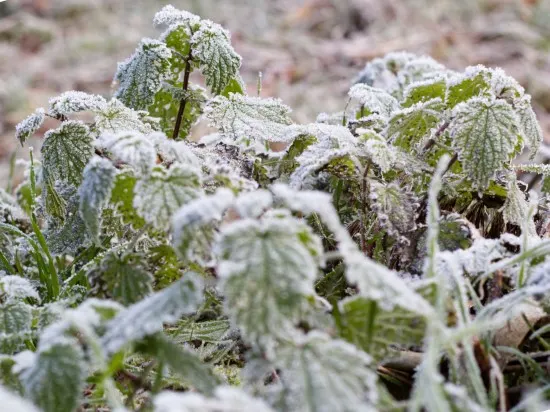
<point x="95" y="192"/>
<point x="115" y="117"/>
<point x="132" y="148"/>
<point x="174" y="151"/>
<point x="219" y="63"/>
<point x="379" y="151"/>
<point x="327" y="375"/>
<point x="485" y="133"/>
<point x="253" y="204"/>
<point x="258" y="260"/>
<point x="169" y="16"/>
<point x="165" y="191"/>
<point x="148" y="316"/>
<point x="247" y="120"/>
<point x="375" y="100"/>
<point x="227" y="399"/>
<point x="74" y="102"/>
<point x="140" y="77"/>
<point x="17" y="287"/>
<point x="29" y="126"/>
<point x="395" y="207"/>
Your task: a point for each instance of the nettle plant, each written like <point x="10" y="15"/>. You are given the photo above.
<point x="383" y="258"/>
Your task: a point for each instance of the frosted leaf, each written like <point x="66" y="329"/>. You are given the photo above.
<point x="66" y="151"/>
<point x="174" y="151"/>
<point x="15" y="324"/>
<point x="411" y="126"/>
<point x="395" y="207"/>
<point x="378" y="151"/>
<point x="122" y="199"/>
<point x="13" y="402"/>
<point x="210" y="331"/>
<point x="253" y="204"/>
<point x="531" y="130"/>
<point x="132" y="148"/>
<point x="373" y="99"/>
<point x="259" y="259"/>
<point x="320" y="374"/>
<point x="115" y="118"/>
<point x="123" y="277"/>
<point x="147" y="316"/>
<point x="381" y="72"/>
<point x="375" y="281"/>
<point x="56" y="378"/>
<point x="74" y="102"/>
<point x="419" y="69"/>
<point x="17" y="287"/>
<point x="169" y="16"/>
<point x="423" y="91"/>
<point x="140" y="77"/>
<point x="474" y="82"/>
<point x="485" y="134"/>
<point x="542" y="169"/>
<point x="165" y="191"/>
<point x="248" y="120"/>
<point x="29" y="126"/>
<point x="188" y="221"/>
<point x="516" y="206"/>
<point x="219" y="63"/>
<point x="227" y="399"/>
<point x="95" y="192"/>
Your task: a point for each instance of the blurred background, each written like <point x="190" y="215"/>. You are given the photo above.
<point x="308" y="50"/>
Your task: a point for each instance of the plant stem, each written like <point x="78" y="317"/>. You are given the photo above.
<point x="183" y="101"/>
<point x="364" y="207"/>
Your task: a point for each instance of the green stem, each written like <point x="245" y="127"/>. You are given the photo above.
<point x="183" y="101"/>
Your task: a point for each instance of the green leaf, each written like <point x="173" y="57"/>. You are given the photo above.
<point x="165" y="191"/>
<point x="485" y="134"/>
<point x="29" y="126"/>
<point x="248" y="119"/>
<point x="395" y="208"/>
<point x="374" y="100"/>
<point x="473" y="83"/>
<point x="94" y="193"/>
<point x="132" y="148"/>
<point x="235" y="85"/>
<point x="531" y="130"/>
<point x="422" y="92"/>
<point x="409" y="127"/>
<point x="322" y="374"/>
<point x="122" y="197"/>
<point x="289" y="163"/>
<point x="259" y="260"/>
<point x="210" y="331"/>
<point x="181" y="361"/>
<point x="66" y="151"/>
<point x="140" y="77"/>
<point x="124" y="277"/>
<point x="55" y="380"/>
<point x="15" y="325"/>
<point x="379" y="151"/>
<point x="218" y="61"/>
<point x="147" y="316"/>
<point x="116" y="118"/>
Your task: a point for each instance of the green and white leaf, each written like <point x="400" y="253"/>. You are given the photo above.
<point x="147" y="316"/>
<point x="95" y="191"/>
<point x="212" y="50"/>
<point x="373" y="99"/>
<point x="74" y="102"/>
<point x="15" y="325"/>
<point x="17" y="288"/>
<point x="378" y="150"/>
<point x="247" y="120"/>
<point x="321" y="374"/>
<point x="166" y="190"/>
<point x="169" y="16"/>
<point x="132" y="148"/>
<point x="531" y="130"/>
<point x="395" y="207"/>
<point x="66" y="151"/>
<point x="116" y="118"/>
<point x="485" y="133"/>
<point x="30" y="125"/>
<point x="140" y="77"/>
<point x="258" y="260"/>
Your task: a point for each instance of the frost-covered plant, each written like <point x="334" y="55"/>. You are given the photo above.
<point x="388" y="258"/>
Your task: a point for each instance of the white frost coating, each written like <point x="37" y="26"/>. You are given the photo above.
<point x="516" y="207"/>
<point x="133" y="148"/>
<point x="219" y="63"/>
<point x="543" y="169"/>
<point x="115" y="118"/>
<point x="29" y="126"/>
<point x="374" y="280"/>
<point x="378" y="150"/>
<point x="17" y="287"/>
<point x="148" y="315"/>
<point x="485" y="133"/>
<point x="258" y="260"/>
<point x="418" y="69"/>
<point x="327" y="375"/>
<point x="14" y="403"/>
<point x="95" y="191"/>
<point x="164" y="191"/>
<point x="140" y="76"/>
<point x="74" y="102"/>
<point x="332" y="142"/>
<point x="247" y="119"/>
<point x="530" y="126"/>
<point x="253" y="204"/>
<point x="227" y="399"/>
<point x="169" y="16"/>
<point x="374" y="99"/>
<point x="174" y="151"/>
